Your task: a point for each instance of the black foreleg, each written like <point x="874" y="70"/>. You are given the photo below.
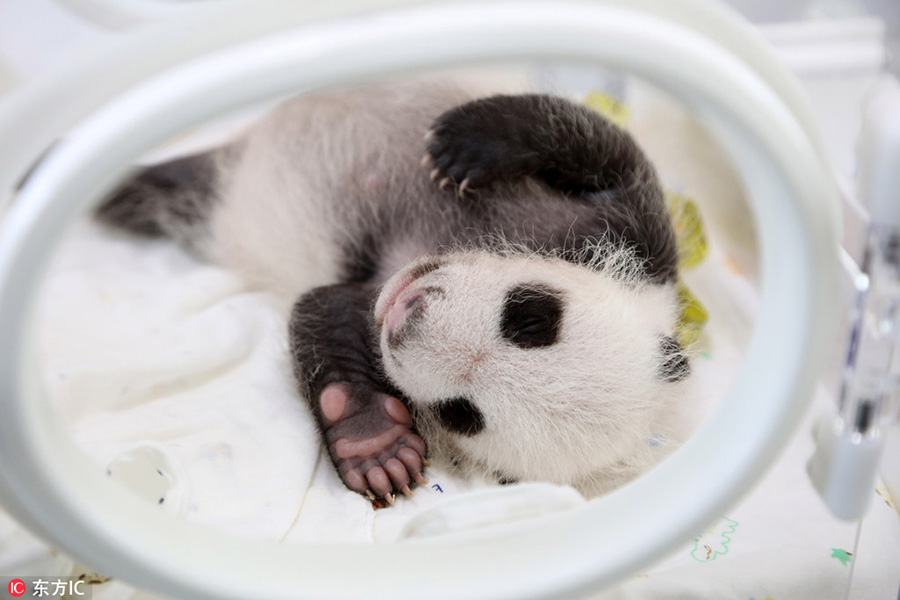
<point x="571" y="149"/>
<point x="367" y="429"/>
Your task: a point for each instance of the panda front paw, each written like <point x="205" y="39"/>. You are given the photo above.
<point x="371" y="441"/>
<point x="475" y="145"/>
<point x="452" y="165"/>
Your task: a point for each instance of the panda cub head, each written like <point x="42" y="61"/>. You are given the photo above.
<point x="533" y="368"/>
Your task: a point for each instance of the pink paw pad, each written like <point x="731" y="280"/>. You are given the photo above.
<point x="396" y="411"/>
<point x="334" y="403"/>
<point x="371" y="441"/>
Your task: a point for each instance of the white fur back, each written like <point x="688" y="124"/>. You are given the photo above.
<point x="311" y="180"/>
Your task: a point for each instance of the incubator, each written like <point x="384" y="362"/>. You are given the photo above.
<point x="704" y="517"/>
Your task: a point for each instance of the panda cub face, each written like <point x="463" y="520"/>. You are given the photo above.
<point x="531" y="365"/>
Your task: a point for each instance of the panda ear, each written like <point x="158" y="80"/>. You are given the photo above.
<point x="503" y="479"/>
<point x="674" y="364"/>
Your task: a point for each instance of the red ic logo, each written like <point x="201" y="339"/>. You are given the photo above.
<point x="17" y="588"/>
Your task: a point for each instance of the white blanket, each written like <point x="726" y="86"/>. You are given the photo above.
<point x="177" y="380"/>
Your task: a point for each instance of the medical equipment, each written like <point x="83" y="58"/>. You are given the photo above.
<point x="845" y="467"/>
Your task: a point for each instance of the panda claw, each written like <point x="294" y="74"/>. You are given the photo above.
<point x="463" y="186"/>
<point x="435" y="173"/>
<point x="390" y="498"/>
<point x="406" y="491"/>
<point x="444" y="183"/>
<point x="421" y="479"/>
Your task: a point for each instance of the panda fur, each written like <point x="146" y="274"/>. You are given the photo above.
<point x="499" y="295"/>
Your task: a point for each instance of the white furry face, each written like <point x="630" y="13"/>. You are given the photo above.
<point x="532" y="365"/>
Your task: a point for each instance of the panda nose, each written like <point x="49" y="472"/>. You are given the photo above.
<point x="401" y="307"/>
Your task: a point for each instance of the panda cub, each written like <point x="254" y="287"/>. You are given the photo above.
<point x="489" y="281"/>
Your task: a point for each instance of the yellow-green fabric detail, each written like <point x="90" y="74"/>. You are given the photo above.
<point x="692" y="318"/>
<point x="609" y="107"/>
<point x="689" y="233"/>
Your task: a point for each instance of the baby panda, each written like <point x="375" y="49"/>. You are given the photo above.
<point x="489" y="281"/>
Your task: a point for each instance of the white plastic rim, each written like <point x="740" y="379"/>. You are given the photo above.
<point x="31" y="118"/>
<point x="122" y="14"/>
<point x="47" y="482"/>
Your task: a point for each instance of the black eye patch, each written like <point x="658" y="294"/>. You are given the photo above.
<point x="532" y="315"/>
<point x="460" y="416"/>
